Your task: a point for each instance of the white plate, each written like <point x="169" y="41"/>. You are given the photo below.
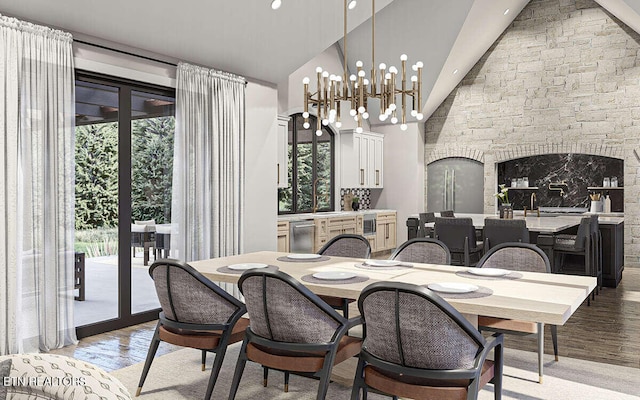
<point x="245" y="266"/>
<point x="382" y="263"/>
<point x="452" y="287"/>
<point x="303" y="256"/>
<point x="334" y="275"/>
<point x="488" y="271"/>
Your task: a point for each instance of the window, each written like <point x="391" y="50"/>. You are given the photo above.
<point x="311" y="169"/>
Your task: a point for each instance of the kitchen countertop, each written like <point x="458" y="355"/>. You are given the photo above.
<point x="544" y="224"/>
<point x="329" y="214"/>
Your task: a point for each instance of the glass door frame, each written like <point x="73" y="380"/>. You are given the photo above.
<point x="125" y="317"/>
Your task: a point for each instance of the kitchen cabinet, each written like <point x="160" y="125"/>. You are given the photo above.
<point x="328" y="228"/>
<point x="321" y="233"/>
<point x="340" y="225"/>
<point x="283" y="236"/>
<point x="283" y="152"/>
<point x="385" y="231"/>
<point x="361" y="156"/>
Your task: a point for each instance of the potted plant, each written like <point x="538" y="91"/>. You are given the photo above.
<point x="506" y="211"/>
<point x="355" y="203"/>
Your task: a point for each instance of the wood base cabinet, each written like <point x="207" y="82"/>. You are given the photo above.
<point x="385" y="232"/>
<point x="283" y="236"/>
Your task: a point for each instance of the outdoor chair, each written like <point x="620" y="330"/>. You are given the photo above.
<point x="195" y="313"/>
<point x="438" y="355"/>
<point x="292" y="330"/>
<point x="423" y="250"/>
<point x="518" y="256"/>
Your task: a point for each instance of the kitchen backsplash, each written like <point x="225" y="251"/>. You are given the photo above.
<point x="363" y="194"/>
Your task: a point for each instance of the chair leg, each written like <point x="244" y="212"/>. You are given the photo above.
<point x="153" y="348"/>
<point x="554" y="339"/>
<point x="358" y="382"/>
<point x="237" y="375"/>
<point x="265" y="376"/>
<point x="217" y="365"/>
<point x="325" y="375"/>
<point x="204" y="359"/>
<point x="540" y="350"/>
<point x="345" y="308"/>
<point x="286" y="381"/>
<point x="497" y="373"/>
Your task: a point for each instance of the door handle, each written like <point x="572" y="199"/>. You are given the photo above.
<point x="453" y="190"/>
<point x="377" y="177"/>
<point x="278" y="173"/>
<point x="444" y="191"/>
<point x="362" y="176"/>
<point x="303" y="226"/>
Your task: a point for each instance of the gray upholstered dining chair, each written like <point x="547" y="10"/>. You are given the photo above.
<point x="447" y="213"/>
<point x="195" y="313"/>
<point x="517" y="256"/>
<point x="459" y="235"/>
<point x="497" y="231"/>
<point x="345" y="245"/>
<point x="423" y="250"/>
<point x="292" y="330"/>
<point x="436" y="356"/>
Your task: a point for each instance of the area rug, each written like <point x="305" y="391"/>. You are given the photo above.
<point x="177" y="376"/>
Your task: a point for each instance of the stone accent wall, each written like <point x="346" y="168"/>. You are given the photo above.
<point x="563" y="78"/>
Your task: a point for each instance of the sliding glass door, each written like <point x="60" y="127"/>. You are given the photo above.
<point x="124" y="162"/>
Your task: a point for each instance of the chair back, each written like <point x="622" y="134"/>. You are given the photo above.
<point x="347" y="245"/>
<point x="284" y="310"/>
<point x="447" y="213"/>
<point x="423" y="219"/>
<point x="516" y="256"/>
<point x="593" y="224"/>
<point x="584" y="230"/>
<point x="186" y="296"/>
<point x="410" y="326"/>
<point x="453" y="231"/>
<point x="497" y="231"/>
<point x="423" y="250"/>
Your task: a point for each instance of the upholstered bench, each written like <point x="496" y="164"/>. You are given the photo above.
<point x="50" y="376"/>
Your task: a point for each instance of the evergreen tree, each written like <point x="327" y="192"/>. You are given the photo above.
<point x="96" y="176"/>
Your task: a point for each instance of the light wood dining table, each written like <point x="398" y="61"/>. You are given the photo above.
<point x="535" y="297"/>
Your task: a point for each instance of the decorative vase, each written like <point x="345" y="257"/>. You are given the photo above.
<point x="355" y="206"/>
<point x="506" y="211"/>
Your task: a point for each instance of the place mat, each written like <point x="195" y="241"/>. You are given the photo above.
<point x="356" y="279"/>
<point x="287" y="259"/>
<point x="227" y="270"/>
<point x="510" y="276"/>
<point x="482" y="291"/>
<point x="371" y="267"/>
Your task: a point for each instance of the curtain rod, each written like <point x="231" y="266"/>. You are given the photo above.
<point x="131" y="54"/>
<point x="125" y="52"/>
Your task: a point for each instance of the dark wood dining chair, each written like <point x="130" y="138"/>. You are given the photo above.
<point x="195" y="313"/>
<point x="292" y="330"/>
<point x="517" y="256"/>
<point x="439" y="355"/>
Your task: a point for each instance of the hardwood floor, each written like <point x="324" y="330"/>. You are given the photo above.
<point x="606" y="332"/>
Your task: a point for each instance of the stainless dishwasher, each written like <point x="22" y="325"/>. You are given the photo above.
<point x="301" y="236"/>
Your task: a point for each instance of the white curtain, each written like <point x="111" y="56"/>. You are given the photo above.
<point x="37" y="197"/>
<point x="208" y="165"/>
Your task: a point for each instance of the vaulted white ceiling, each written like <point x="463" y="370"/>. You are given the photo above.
<point x="248" y="38"/>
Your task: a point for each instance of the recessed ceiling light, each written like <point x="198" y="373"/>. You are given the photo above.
<point x="352" y="4"/>
<point x="275" y="4"/>
<point x="506" y="11"/>
<point x="455" y="71"/>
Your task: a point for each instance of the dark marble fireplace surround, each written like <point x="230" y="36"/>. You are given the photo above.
<point x="578" y="171"/>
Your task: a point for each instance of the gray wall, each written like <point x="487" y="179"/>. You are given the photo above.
<point x="563" y="78"/>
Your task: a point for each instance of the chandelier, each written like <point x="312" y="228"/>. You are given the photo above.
<point x="357" y="89"/>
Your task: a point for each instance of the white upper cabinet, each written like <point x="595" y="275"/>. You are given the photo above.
<point x="361" y="159"/>
<point x="283" y="154"/>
